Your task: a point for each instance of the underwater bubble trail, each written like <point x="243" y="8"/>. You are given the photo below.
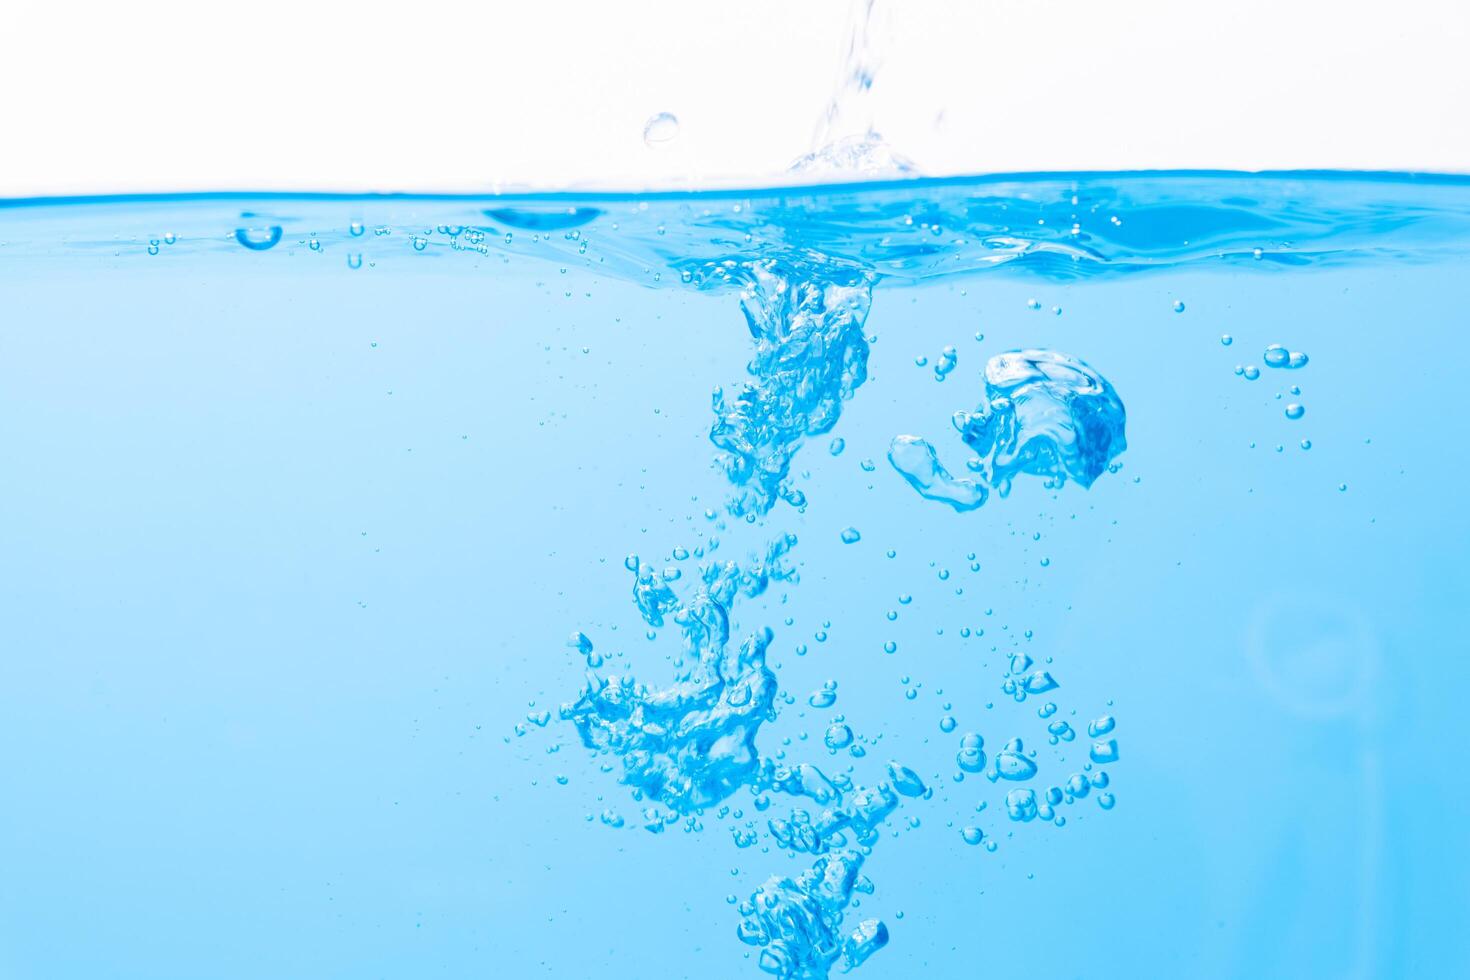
<point x="810" y="357"/>
<point x="692" y="745"/>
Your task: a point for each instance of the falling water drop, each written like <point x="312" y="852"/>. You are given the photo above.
<point x="660" y="129"/>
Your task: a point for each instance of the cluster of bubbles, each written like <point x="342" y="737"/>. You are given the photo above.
<point x="1279" y="357"/>
<point x="810" y="357"/>
<point x="692" y="745"/>
<point x="1014" y="763"/>
<point x="798" y="922"/>
<point x="1043" y="412"/>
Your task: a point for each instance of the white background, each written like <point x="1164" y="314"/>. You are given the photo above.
<point x="396" y="96"/>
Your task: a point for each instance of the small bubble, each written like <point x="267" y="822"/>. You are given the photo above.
<point x="258" y="239"/>
<point x="836" y="446"/>
<point x="354" y="260"/>
<point x="355" y="229"/>
<point x="1226" y="340"/>
<point x="1179" y="306"/>
<point x="850" y="535"/>
<point x="1295" y="411"/>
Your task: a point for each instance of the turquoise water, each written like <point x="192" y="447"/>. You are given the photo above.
<point x="1050" y="575"/>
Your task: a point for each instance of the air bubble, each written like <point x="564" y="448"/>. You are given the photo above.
<point x="259" y="239"/>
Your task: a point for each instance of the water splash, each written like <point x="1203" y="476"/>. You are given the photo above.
<point x="864" y="155"/>
<point x="846" y="142"/>
<point x="1044" y="413"/>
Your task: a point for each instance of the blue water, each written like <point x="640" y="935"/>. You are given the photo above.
<point x="1035" y="575"/>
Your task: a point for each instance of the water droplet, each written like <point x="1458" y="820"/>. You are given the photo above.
<point x="660" y="128"/>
